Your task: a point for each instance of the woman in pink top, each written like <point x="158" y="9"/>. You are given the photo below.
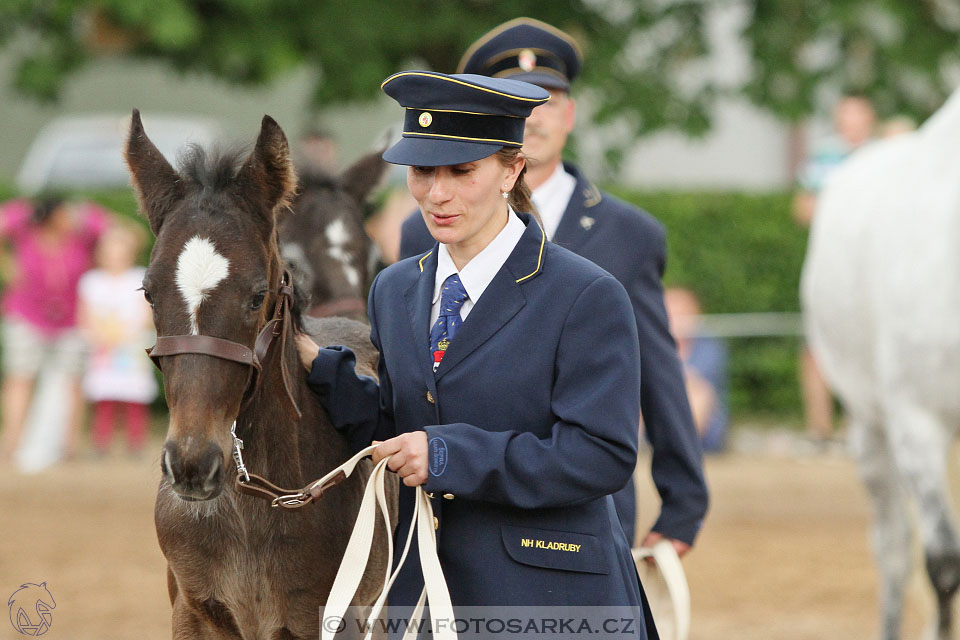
<point x="52" y="244"/>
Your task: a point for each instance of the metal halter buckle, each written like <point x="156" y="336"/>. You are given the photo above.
<point x="237" y="456"/>
<point x="290" y="500"/>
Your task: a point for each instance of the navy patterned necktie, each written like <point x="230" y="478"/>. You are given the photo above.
<point x="452" y="297"/>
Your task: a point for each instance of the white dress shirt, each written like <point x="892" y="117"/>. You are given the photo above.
<point x="477" y="274"/>
<point x="551" y="198"/>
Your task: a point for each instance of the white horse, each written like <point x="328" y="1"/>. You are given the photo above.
<point x="881" y="291"/>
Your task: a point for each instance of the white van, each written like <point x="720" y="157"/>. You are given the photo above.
<point x="86" y="151"/>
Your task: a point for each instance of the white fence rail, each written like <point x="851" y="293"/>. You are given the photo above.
<point x="751" y="325"/>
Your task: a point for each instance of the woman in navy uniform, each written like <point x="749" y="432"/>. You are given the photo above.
<point x="509" y="370"/>
<point x="626" y="241"/>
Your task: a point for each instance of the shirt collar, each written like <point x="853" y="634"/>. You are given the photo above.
<point x="477" y="274"/>
<point x="551" y="198"/>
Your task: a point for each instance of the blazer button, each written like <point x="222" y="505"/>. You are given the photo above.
<point x="448" y="496"/>
<point x="436" y="523"/>
<point x="430" y="398"/>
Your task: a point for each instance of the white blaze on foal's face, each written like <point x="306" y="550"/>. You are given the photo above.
<point x="200" y="268"/>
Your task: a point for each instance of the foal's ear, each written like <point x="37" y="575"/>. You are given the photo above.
<point x="360" y="178"/>
<point x="155" y="182"/>
<point x="268" y="177"/>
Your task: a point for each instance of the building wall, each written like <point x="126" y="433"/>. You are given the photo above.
<point x="747" y="149"/>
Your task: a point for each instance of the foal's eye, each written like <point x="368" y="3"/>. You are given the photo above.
<point x="146" y="296"/>
<point x="257" y="301"/>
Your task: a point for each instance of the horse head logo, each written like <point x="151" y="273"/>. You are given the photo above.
<point x="30" y="607"/>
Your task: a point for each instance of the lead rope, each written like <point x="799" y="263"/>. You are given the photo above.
<point x="671" y="571"/>
<point x="357" y="556"/>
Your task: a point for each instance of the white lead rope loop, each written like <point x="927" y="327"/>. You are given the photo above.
<point x="673" y="577"/>
<point x="357" y="555"/>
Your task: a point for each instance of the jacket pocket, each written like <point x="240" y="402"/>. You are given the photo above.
<point x="554" y="549"/>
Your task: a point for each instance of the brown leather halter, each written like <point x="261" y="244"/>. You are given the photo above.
<point x="249" y="483"/>
<point x="236" y="352"/>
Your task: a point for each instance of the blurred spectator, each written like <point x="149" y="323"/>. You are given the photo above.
<point x="704" y="359"/>
<point x="52" y="243"/>
<point x="117" y="324"/>
<point x="897" y="125"/>
<point x="854" y="123"/>
<point x="383" y="226"/>
<point x="318" y="152"/>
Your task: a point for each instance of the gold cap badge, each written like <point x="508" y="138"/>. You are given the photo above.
<point x="425" y="119"/>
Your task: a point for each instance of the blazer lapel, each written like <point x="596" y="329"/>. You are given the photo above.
<point x="502" y="299"/>
<point x="419" y="299"/>
<point x="578" y="222"/>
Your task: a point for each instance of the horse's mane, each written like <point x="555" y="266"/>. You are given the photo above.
<point x="215" y="171"/>
<point x="301" y="301"/>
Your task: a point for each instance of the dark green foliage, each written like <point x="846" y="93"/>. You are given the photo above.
<point x="895" y="52"/>
<point x="648" y="64"/>
<point x="355" y="45"/>
<point x="741" y="253"/>
<point x="645" y="60"/>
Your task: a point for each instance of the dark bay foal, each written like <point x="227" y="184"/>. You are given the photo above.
<point x="237" y="567"/>
<point x="324" y="239"/>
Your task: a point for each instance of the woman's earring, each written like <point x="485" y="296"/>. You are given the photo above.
<point x="505" y="194"/>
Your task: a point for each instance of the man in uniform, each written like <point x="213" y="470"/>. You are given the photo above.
<point x="624" y="240"/>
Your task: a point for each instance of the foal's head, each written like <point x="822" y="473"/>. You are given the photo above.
<point x="325" y="242"/>
<point x="214" y="271"/>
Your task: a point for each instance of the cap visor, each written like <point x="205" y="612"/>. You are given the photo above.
<point x="430" y="152"/>
<point x="545" y="80"/>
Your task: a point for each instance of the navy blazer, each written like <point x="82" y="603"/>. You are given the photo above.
<point x="631" y="245"/>
<point x="531" y="420"/>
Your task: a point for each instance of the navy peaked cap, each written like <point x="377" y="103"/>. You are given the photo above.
<point x="452" y="119"/>
<point x="526" y="49"/>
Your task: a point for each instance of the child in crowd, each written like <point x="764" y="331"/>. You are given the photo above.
<point x="117" y="324"/>
<point x="704" y="359"/>
<point x="48" y="243"/>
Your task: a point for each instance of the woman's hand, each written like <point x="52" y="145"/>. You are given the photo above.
<point x="653" y="538"/>
<point x="410" y="458"/>
<point x="308" y="350"/>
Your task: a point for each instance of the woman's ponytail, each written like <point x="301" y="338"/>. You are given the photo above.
<point x="519" y="197"/>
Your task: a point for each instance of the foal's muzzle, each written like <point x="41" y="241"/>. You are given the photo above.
<point x="193" y="475"/>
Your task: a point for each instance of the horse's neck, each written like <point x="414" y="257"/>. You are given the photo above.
<point x="936" y="153"/>
<point x="946" y="121"/>
<point x="287" y="451"/>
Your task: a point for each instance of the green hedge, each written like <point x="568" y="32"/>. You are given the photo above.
<point x="121" y="201"/>
<point x="740" y="253"/>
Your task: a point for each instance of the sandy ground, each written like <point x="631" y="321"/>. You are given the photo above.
<point x="784" y="554"/>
